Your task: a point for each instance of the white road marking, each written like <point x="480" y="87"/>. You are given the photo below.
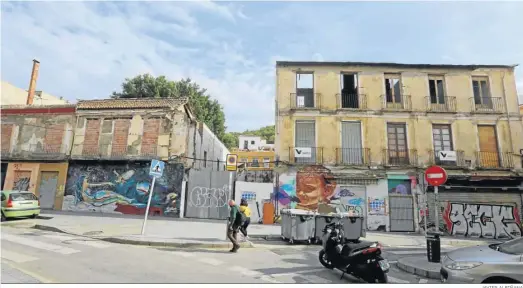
<point x="16" y="257"/>
<point x="412" y="252"/>
<point x="397" y="281"/>
<point x="393" y="262"/>
<point x="182" y="254"/>
<point x="268" y="278"/>
<point x="423" y="281"/>
<point x="246" y="272"/>
<point x="210" y="261"/>
<point x="39" y="245"/>
<point x="313" y="279"/>
<point x="297" y="274"/>
<point x="78" y="240"/>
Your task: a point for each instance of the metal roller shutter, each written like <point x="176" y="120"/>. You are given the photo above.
<point x="479" y="214"/>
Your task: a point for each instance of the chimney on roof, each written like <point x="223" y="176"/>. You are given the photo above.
<point x="32" y="83"/>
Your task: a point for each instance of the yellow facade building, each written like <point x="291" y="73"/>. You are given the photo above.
<point x="387" y="123"/>
<point x="255" y="160"/>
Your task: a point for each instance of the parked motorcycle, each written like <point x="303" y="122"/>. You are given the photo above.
<point x="360" y="259"/>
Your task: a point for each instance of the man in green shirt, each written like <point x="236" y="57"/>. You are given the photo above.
<point x="234" y="225"/>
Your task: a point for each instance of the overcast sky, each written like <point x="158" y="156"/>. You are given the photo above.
<point x="86" y="49"/>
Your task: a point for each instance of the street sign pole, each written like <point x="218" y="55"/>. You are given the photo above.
<point x="436" y="176"/>
<point x="148" y="205"/>
<point x="156" y="170"/>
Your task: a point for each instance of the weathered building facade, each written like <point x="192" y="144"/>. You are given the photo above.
<point x="361" y="135"/>
<point x="114" y="143"/>
<point x="36" y="142"/>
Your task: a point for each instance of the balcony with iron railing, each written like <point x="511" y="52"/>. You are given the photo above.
<point x="34" y="152"/>
<point x="306" y="100"/>
<point x="487" y="105"/>
<point x="113" y="152"/>
<point x="400" y="157"/>
<point x="436" y="159"/>
<point x="351" y="101"/>
<point x="353" y="156"/>
<point x="441" y="105"/>
<point x="306" y="155"/>
<point x="399" y="103"/>
<point x="494" y="160"/>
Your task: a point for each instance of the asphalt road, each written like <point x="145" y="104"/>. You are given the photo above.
<point x="32" y="256"/>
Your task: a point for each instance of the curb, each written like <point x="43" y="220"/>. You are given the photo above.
<point x="418" y="271"/>
<point x="266" y="237"/>
<point x="146" y="243"/>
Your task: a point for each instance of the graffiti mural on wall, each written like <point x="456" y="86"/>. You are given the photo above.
<point x="482" y="220"/>
<point x="122" y="188"/>
<point x="204" y="197"/>
<point x="22" y="180"/>
<point x="400" y="186"/>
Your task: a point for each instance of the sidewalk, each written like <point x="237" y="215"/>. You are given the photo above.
<point x="192" y="232"/>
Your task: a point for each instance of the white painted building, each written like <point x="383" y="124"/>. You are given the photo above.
<point x="253" y="143"/>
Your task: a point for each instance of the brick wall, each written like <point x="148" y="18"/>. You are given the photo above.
<point x="151" y="128"/>
<point x="7" y="132"/>
<point x="92" y="134"/>
<point x="54" y="135"/>
<point x="121" y="132"/>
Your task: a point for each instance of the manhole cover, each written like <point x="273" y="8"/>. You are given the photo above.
<point x="91" y="233"/>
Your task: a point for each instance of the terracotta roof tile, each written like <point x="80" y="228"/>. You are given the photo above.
<point x="131" y="103"/>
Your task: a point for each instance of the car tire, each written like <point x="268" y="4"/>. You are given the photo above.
<point x="33" y="216"/>
<point x="3" y="217"/>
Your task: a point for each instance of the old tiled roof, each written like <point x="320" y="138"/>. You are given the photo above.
<point x="131" y="103"/>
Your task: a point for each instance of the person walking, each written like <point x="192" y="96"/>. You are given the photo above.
<point x="235" y="221"/>
<point x="246" y="211"/>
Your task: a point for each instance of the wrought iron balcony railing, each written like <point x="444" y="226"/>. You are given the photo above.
<point x="306" y="155"/>
<point x="436" y="159"/>
<point x="353" y="156"/>
<point x="305" y="100"/>
<point x="400" y="103"/>
<point x="351" y="101"/>
<point x="400" y="157"/>
<point x="441" y="105"/>
<point x="114" y="152"/>
<point x="494" y="160"/>
<point x="487" y="104"/>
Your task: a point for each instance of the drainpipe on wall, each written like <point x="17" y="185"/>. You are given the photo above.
<point x="32" y="82"/>
<point x="508" y="114"/>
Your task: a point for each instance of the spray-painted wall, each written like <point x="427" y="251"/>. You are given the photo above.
<point x="122" y="188"/>
<point x="316" y="189"/>
<point x="255" y="194"/>
<point x="207" y="194"/>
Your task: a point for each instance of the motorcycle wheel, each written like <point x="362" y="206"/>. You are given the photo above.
<point x="324" y="261"/>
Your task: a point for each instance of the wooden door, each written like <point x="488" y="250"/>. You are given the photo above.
<point x="488" y="147"/>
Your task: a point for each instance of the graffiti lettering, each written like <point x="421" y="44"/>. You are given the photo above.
<point x="482" y="220"/>
<point x="21" y="184"/>
<point x="204" y="197"/>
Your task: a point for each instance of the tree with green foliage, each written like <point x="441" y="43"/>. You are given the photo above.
<point x="206" y="110"/>
<point x="267" y="133"/>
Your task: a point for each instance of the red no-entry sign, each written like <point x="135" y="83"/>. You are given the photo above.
<point x="435" y="176"/>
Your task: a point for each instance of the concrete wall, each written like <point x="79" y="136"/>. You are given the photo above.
<point x="373" y="120"/>
<point x="28" y="176"/>
<point x="203" y="144"/>
<point x="254" y="193"/>
<point x="12" y="95"/>
<point x="122" y="188"/>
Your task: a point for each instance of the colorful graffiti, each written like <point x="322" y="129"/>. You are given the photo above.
<point x="400" y="186"/>
<point x="122" y="189"/>
<point x="482" y="220"/>
<point x="308" y="189"/>
<point x="377" y="206"/>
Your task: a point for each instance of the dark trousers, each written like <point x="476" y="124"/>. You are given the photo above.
<point x="245" y="225"/>
<point x="232" y="233"/>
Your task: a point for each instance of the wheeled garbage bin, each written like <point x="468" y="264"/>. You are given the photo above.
<point x="320" y="221"/>
<point x="354" y="227"/>
<point x="297" y="225"/>
<point x="433" y="247"/>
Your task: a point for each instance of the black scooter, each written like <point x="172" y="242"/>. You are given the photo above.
<point x="362" y="259"/>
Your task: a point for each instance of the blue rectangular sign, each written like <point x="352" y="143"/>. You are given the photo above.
<point x="157" y="168"/>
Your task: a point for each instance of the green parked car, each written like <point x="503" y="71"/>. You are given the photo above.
<point x="19" y="204"/>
